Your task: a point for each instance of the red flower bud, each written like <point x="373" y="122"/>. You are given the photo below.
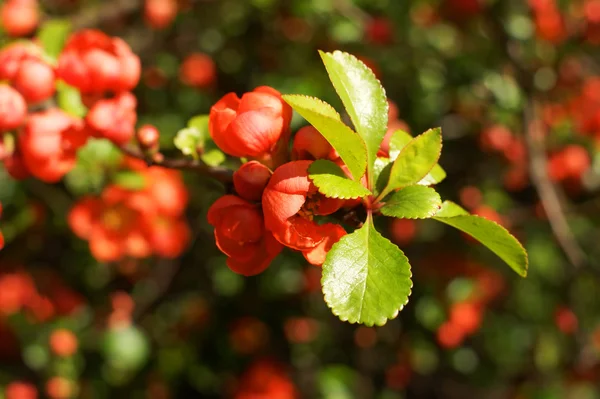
<point x="289" y="203"/>
<point x="114" y="118"/>
<point x="95" y="63"/>
<point x="13" y="109"/>
<point x="251" y="179"/>
<point x="35" y="80"/>
<point x="13" y="55"/>
<point x="20" y="390"/>
<point x="160" y="13"/>
<point x="169" y="237"/>
<point x="379" y="31"/>
<point x="250" y="126"/>
<point x="198" y="70"/>
<point x="19" y="17"/>
<point x="49" y="143"/>
<point x="148" y="136"/>
<point x="309" y="144"/>
<point x="63" y="342"/>
<point x="15" y="166"/>
<point x="240" y="234"/>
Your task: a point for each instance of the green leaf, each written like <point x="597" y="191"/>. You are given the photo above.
<point x="200" y="122"/>
<point x="363" y="97"/>
<point x="381" y="173"/>
<point x="69" y="100"/>
<point x="192" y="139"/>
<point x="489" y="233"/>
<point x="415" y="160"/>
<point x="53" y="36"/>
<point x="436" y="175"/>
<point x="332" y="182"/>
<point x="366" y="279"/>
<point x="188" y="140"/>
<point x="130" y="180"/>
<point x="212" y="156"/>
<point x="327" y="121"/>
<point x="413" y="202"/>
<point x="398" y="141"/>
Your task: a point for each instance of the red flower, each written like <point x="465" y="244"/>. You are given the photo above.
<point x="35" y="80"/>
<point x="250" y="126"/>
<point x="114" y="118"/>
<point x="135" y="223"/>
<point x="310" y="144"/>
<point x="95" y="63"/>
<point x="24" y="67"/>
<point x="289" y="203"/>
<point x="266" y="379"/>
<point x="251" y="179"/>
<point x="240" y="234"/>
<point x="20" y="390"/>
<point x="160" y="13"/>
<point x="19" y="17"/>
<point x="198" y="70"/>
<point x="49" y="143"/>
<point x="13" y="109"/>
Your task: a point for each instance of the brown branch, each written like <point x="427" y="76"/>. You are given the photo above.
<point x="547" y="191"/>
<point x="161" y="279"/>
<point x="106" y="11"/>
<point x="535" y="142"/>
<point x="351" y="11"/>
<point x="224" y="175"/>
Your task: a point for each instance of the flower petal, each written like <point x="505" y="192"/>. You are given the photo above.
<point x="332" y="234"/>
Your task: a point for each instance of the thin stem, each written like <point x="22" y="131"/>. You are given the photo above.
<point x="534" y="139"/>
<point x="224" y="175"/>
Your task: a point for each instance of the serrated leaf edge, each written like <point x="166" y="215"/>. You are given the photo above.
<point x="317" y="99"/>
<point x="429" y="214"/>
<point x="497" y="224"/>
<point x="386" y="318"/>
<point x="428" y="171"/>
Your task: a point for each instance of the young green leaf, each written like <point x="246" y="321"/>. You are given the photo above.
<point x="366" y="279"/>
<point x="415" y="160"/>
<point x="129" y="180"/>
<point x="413" y="202"/>
<point x="489" y="233"/>
<point x="381" y="173"/>
<point x="68" y="99"/>
<point x="53" y="36"/>
<point x="328" y="122"/>
<point x="332" y="182"/>
<point x="436" y="175"/>
<point x="398" y="141"/>
<point x="192" y="138"/>
<point x="187" y="141"/>
<point x="363" y="97"/>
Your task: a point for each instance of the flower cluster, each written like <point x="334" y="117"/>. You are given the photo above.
<point x="19" y="17"/>
<point x="105" y="70"/>
<point x="44" y="143"/>
<point x="135" y="223"/>
<point x="266" y="379"/>
<point x="272" y="209"/>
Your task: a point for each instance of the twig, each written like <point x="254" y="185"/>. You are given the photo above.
<point x="105" y="11"/>
<point x="534" y="139"/>
<point x="350" y="11"/>
<point x="162" y="277"/>
<point x="224" y="175"/>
